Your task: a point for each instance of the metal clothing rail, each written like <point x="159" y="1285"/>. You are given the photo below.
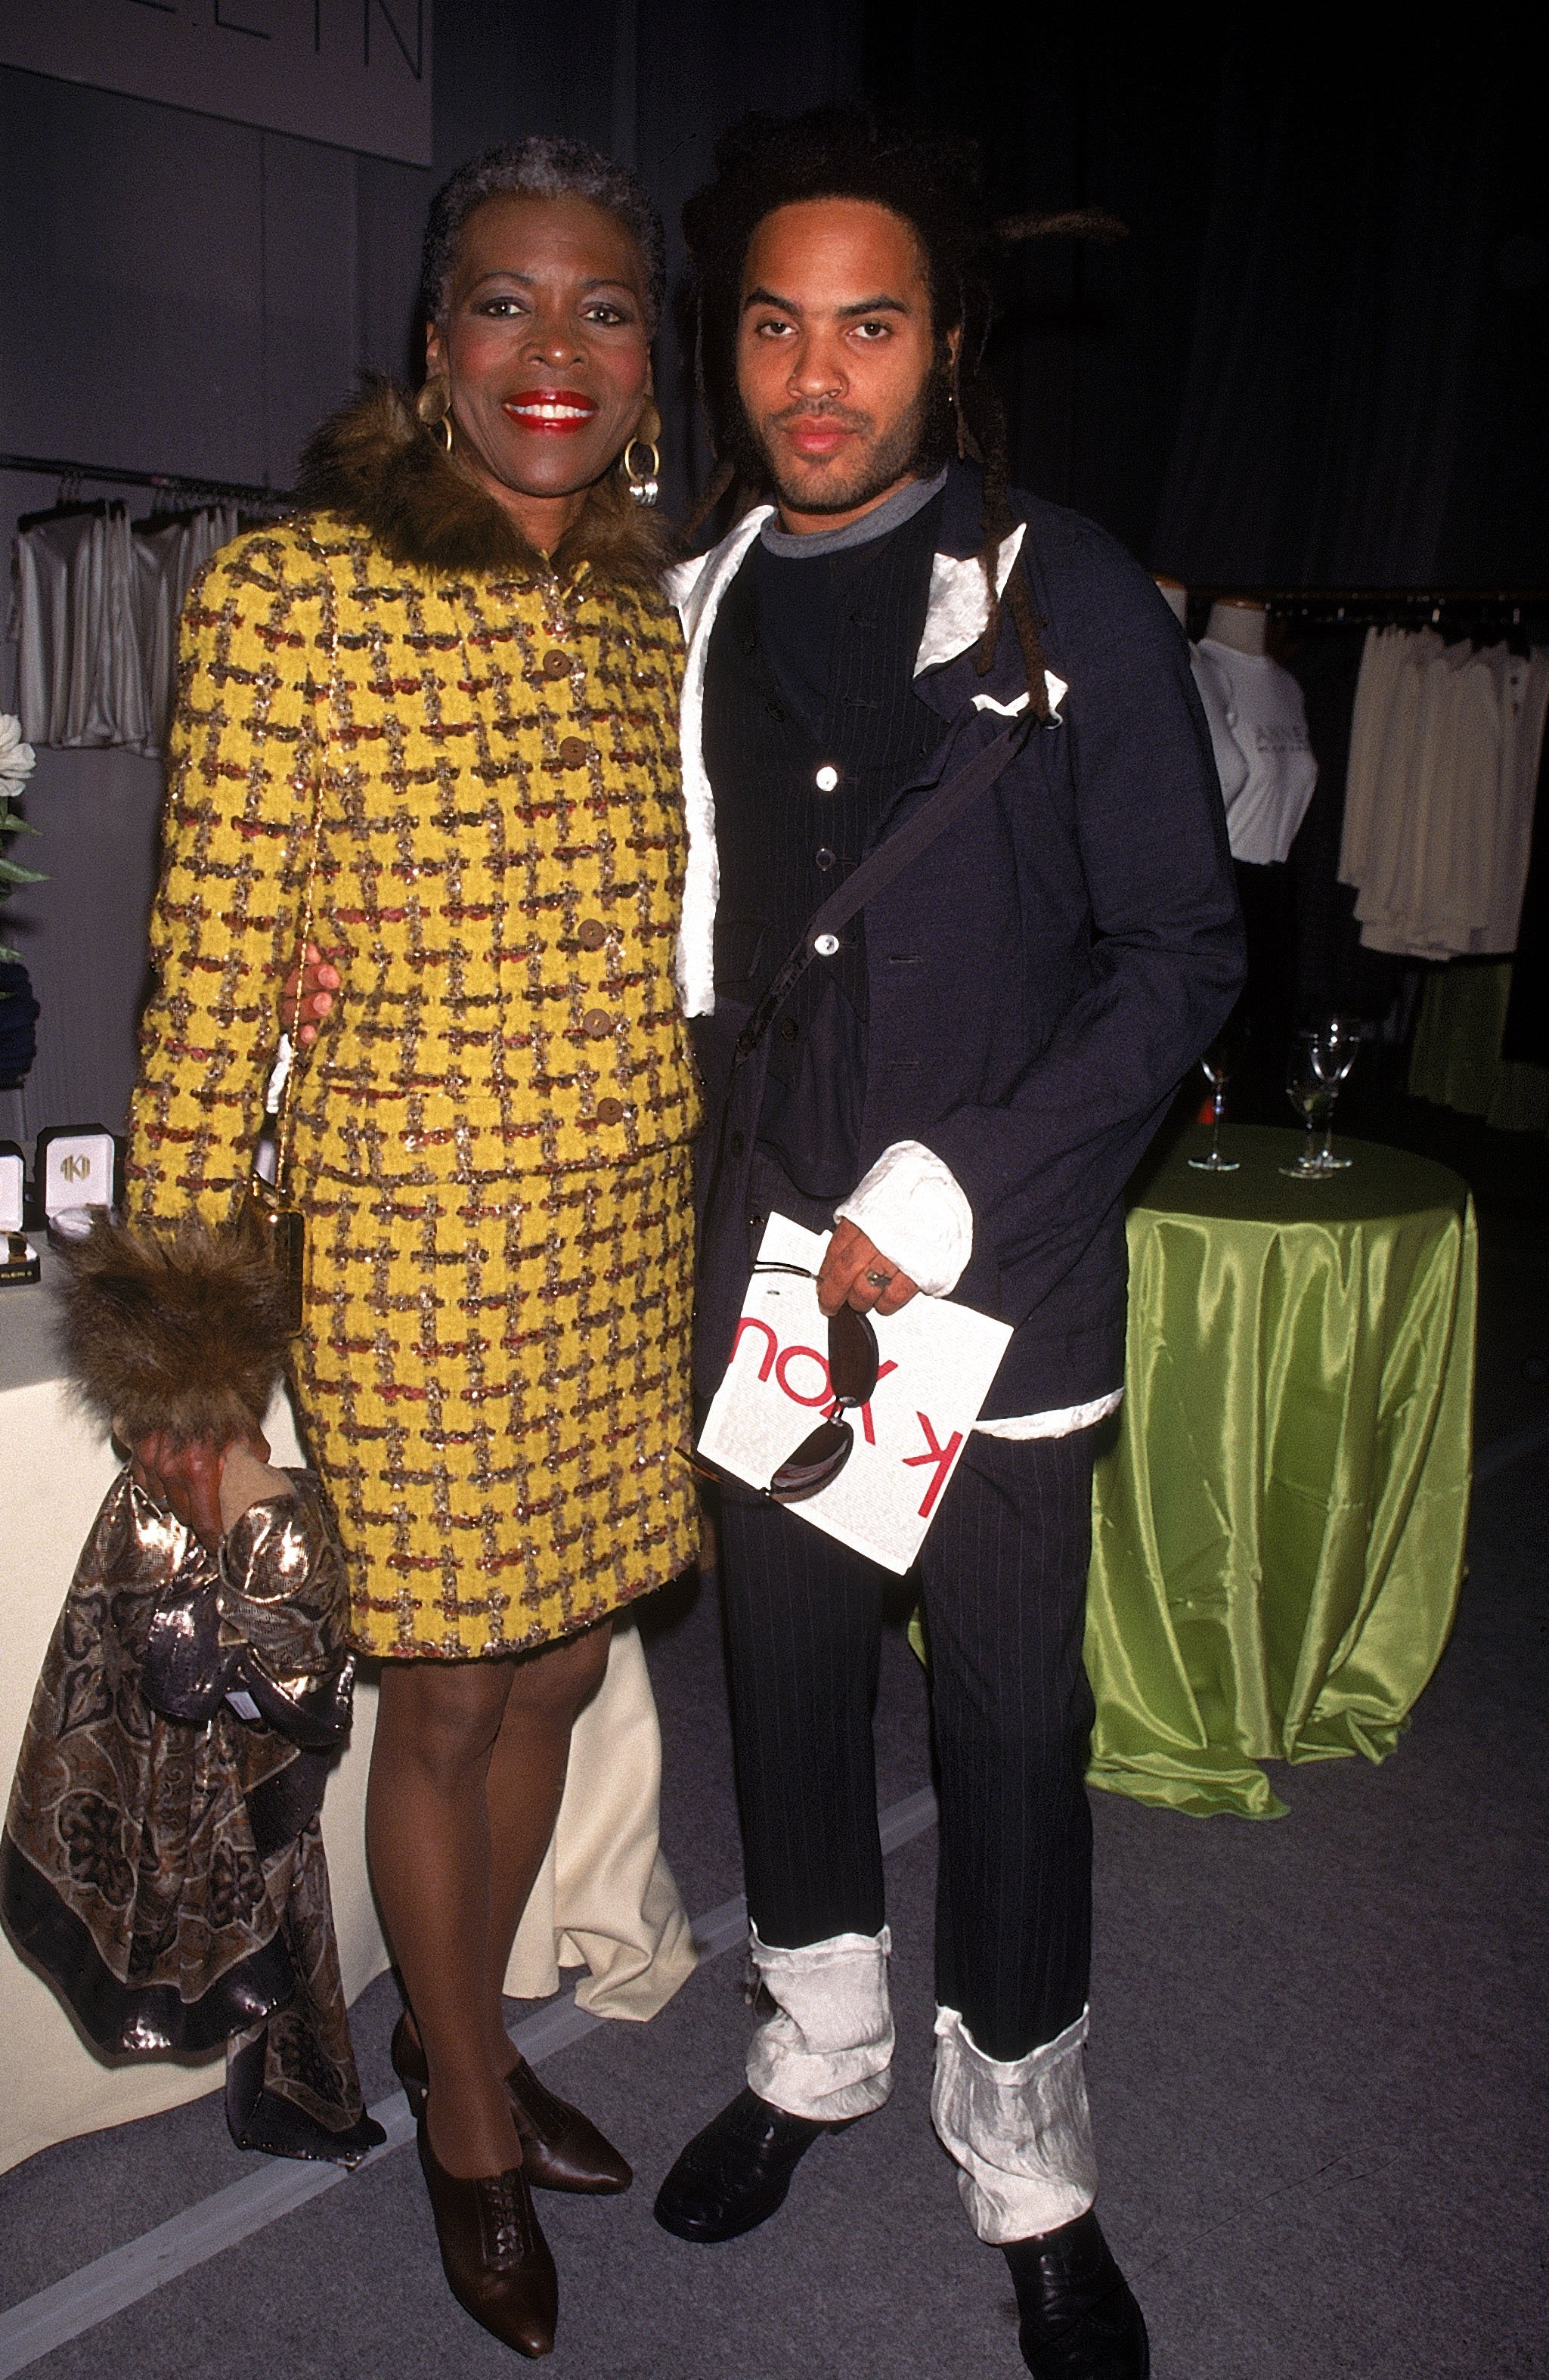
<point x="1334" y="603"/>
<point x="49" y="467"/>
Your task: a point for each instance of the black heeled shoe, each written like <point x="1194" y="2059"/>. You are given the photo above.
<point x="1079" y="2317"/>
<point x="734" y="2174"/>
<point x="562" y="2149"/>
<point x="493" y="2253"/>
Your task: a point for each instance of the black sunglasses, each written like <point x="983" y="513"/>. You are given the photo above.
<point x="853" y="1361"/>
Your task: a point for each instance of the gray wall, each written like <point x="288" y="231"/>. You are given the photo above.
<point x="185" y="294"/>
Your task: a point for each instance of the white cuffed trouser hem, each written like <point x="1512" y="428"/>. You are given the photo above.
<point x="827" y="2052"/>
<point x="1020" y="2130"/>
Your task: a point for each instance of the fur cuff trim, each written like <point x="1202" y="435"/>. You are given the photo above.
<point x="187" y="1334"/>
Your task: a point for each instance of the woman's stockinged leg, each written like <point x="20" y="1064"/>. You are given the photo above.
<point x="524" y="1785"/>
<point x="468" y="1772"/>
<point x="428" y="1840"/>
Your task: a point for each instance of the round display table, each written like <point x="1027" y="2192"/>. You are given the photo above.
<point x="1278" y="1528"/>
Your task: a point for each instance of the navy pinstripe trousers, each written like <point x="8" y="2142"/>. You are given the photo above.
<point x="1003" y="1580"/>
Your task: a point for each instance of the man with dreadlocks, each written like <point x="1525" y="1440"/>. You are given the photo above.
<point x="964" y="1077"/>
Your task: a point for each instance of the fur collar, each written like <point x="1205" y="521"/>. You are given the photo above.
<point x="375" y="463"/>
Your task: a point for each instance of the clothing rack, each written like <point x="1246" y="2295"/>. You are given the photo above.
<point x="48" y="466"/>
<point x="1368" y="606"/>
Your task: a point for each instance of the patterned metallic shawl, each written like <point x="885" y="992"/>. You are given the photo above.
<point x="166" y="1873"/>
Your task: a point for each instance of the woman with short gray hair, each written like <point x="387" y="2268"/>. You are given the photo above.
<point x="443" y="697"/>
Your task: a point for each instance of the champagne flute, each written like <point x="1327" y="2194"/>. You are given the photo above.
<point x="1339" y="1046"/>
<point x="1311" y="1094"/>
<point x="1219" y="1063"/>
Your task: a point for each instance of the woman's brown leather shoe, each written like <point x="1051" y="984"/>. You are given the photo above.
<point x="496" y="2259"/>
<point x="562" y="2149"/>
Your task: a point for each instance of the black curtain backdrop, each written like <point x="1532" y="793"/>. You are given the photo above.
<point x="1338" y="292"/>
<point x="1320" y="356"/>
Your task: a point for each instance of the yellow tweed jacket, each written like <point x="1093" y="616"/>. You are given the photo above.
<point x="496" y="857"/>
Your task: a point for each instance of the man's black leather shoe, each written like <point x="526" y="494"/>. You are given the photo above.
<point x="734" y="2174"/>
<point x="1079" y="2319"/>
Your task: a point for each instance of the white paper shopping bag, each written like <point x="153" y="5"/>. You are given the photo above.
<point x="937" y="1361"/>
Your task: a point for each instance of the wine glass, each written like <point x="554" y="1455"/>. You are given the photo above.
<point x="1310" y="1093"/>
<point x="1339" y="1043"/>
<point x="1219" y="1063"/>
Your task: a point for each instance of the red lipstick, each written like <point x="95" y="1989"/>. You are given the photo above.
<point x="552" y="412"/>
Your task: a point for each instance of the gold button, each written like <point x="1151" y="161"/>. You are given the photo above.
<point x="556" y="664"/>
<point x="591" y="933"/>
<point x="573" y="751"/>
<point x="597" y="1023"/>
<point x="610" y="1111"/>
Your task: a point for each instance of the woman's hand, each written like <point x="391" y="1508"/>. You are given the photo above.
<point x="186" y="1479"/>
<point x="316" y="982"/>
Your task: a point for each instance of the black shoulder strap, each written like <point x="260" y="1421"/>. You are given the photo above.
<point x="878" y="868"/>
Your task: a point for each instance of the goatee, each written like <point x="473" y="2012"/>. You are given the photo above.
<point x="918" y="445"/>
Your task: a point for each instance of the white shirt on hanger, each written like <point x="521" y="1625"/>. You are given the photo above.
<point x="1444" y="748"/>
<point x="95" y="620"/>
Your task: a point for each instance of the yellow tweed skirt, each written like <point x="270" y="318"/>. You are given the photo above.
<point x="494" y="1383"/>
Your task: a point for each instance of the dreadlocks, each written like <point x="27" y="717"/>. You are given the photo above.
<point x="932" y="181"/>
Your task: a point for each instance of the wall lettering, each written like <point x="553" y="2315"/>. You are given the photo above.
<point x="353" y="73"/>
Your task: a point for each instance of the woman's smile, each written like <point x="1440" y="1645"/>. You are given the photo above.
<point x="549" y="412"/>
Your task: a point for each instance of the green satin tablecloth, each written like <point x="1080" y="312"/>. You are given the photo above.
<point x="1277" y="1532"/>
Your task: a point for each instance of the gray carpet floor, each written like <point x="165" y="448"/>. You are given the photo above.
<point x="1318" y="2071"/>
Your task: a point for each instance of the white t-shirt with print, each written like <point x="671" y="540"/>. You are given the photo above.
<point x="1220" y="710"/>
<point x="1268" y="722"/>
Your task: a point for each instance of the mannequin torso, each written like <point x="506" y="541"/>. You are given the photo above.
<point x="1239" y="623"/>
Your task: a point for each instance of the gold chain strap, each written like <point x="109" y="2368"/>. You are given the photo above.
<point x="314" y="831"/>
<point x="269" y="1214"/>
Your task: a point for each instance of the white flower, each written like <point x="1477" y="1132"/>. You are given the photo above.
<point x="17" y="759"/>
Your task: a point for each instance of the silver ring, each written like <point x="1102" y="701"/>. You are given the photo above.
<point x="879" y="1280"/>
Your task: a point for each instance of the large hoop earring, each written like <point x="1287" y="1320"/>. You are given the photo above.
<point x="434" y="405"/>
<point x="645" y="486"/>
